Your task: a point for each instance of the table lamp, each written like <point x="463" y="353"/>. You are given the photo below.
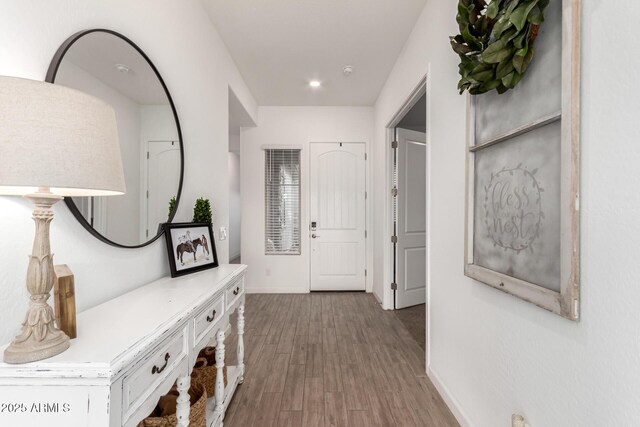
<point x="55" y="142"/>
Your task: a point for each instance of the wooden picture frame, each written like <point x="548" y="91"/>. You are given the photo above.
<point x="182" y="239"/>
<point x="496" y="166"/>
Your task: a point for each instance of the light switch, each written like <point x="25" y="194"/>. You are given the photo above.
<point x="223" y="233"/>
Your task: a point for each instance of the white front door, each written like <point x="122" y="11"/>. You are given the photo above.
<point x="337" y="216"/>
<point x="411" y="224"/>
<point x="163" y="175"/>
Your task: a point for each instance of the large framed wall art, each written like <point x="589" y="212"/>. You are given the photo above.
<point x="522" y="220"/>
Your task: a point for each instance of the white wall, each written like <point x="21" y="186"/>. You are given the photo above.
<point x="175" y="35"/>
<point x="123" y="213"/>
<point x="234" y="205"/>
<point x="491" y="353"/>
<point x="293" y="126"/>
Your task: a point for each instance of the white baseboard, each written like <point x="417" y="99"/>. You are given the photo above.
<point x="275" y="290"/>
<point x="451" y="402"/>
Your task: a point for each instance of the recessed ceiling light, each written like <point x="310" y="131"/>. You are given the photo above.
<point x="314" y="83"/>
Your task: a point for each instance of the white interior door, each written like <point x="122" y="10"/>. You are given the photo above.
<point x="411" y="224"/>
<point x="337" y="215"/>
<point x="163" y="175"/>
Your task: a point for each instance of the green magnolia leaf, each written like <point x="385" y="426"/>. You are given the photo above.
<point x="519" y="40"/>
<point x="536" y="17"/>
<point x="460" y="48"/>
<point x="519" y="15"/>
<point x="509" y="35"/>
<point x="490" y="85"/>
<point x="523" y="51"/>
<point x="482" y="76"/>
<point x="502" y="89"/>
<point x="521" y="63"/>
<point x="471" y="41"/>
<point x="496" y="52"/>
<point x="504" y="68"/>
<point x="510" y="9"/>
<point x="501" y="26"/>
<point x="493" y="9"/>
<point x="512" y="79"/>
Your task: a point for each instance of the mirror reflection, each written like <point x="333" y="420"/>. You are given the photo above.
<point x="109" y="67"/>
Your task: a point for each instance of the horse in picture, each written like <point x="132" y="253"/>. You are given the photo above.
<point x="186" y="247"/>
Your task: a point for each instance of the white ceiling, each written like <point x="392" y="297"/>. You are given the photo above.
<point x="98" y="53"/>
<point x="280" y="45"/>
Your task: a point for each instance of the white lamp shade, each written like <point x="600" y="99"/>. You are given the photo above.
<point x="56" y="137"/>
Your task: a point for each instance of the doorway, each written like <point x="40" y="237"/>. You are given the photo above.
<point x="338" y="216"/>
<point x="407" y="218"/>
<point x="239" y="118"/>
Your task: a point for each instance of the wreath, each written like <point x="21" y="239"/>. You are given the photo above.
<point x="496" y="42"/>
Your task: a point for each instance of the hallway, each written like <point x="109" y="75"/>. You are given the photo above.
<point x="331" y="359"/>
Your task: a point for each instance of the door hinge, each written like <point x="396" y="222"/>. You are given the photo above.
<point x="394" y="286"/>
<point x="365" y="156"/>
<point x="365" y="272"/>
<point x="147" y="232"/>
<point x="147" y="194"/>
<point x="365" y="195"/>
<point x="394" y="239"/>
<point x="365" y="234"/>
<point x="147" y="155"/>
<point x="394" y="191"/>
<point x="394" y="144"/>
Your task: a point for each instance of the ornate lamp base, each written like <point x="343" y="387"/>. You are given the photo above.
<point x="39" y="337"/>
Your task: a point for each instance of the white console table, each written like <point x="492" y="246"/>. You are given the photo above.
<point x="129" y="352"/>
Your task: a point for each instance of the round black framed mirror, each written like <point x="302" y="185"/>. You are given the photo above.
<point x="108" y="65"/>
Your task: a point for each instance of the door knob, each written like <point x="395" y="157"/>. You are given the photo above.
<point x="314" y="235"/>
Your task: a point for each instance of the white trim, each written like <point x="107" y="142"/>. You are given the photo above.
<point x="449" y="399"/>
<point x="281" y="147"/>
<point x="276" y="290"/>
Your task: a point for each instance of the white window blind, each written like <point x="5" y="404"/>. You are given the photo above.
<point x="282" y="198"/>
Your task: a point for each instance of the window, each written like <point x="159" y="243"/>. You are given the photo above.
<point x="282" y="201"/>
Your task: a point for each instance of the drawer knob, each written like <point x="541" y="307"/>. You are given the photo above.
<point x="156" y="370"/>
<point x="213" y="316"/>
<point x="237" y="290"/>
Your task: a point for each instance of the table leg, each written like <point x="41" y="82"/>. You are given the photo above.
<point x="241" y="342"/>
<point x="219" y="388"/>
<point x="183" y="402"/>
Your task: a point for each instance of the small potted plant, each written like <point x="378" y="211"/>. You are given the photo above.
<point x="202" y="211"/>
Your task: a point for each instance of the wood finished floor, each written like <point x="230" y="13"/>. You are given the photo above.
<point x="330" y="359"/>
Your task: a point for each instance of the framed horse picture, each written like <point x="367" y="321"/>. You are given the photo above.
<point x="191" y="247"/>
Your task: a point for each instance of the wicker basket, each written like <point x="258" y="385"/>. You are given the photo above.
<point x="205" y="371"/>
<point x="197" y="414"/>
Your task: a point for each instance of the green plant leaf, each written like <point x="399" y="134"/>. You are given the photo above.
<point x="493" y="9"/>
<point x="519" y="40"/>
<point x="460" y="48"/>
<point x="501" y="26"/>
<point x="521" y="63"/>
<point x="496" y="52"/>
<point x="512" y="79"/>
<point x="490" y="85"/>
<point x="536" y="17"/>
<point x="471" y="40"/>
<point x="519" y="16"/>
<point x="504" y="68"/>
<point x="482" y="76"/>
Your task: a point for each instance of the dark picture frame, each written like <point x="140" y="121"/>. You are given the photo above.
<point x="182" y="238"/>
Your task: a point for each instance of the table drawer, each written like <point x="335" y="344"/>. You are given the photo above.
<point x="234" y="290"/>
<point x="208" y="318"/>
<point x="150" y="373"/>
